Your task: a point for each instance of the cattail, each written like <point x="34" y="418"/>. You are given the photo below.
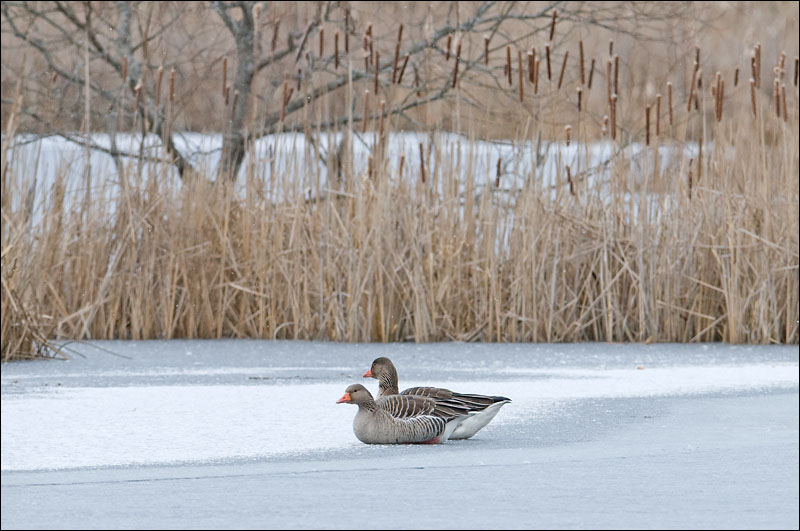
<point x="421" y="163"/>
<point x="699" y="159"/>
<point x="402" y="163"/>
<point x="347" y="30"/>
<point x="697" y="54"/>
<point x="571" y="184"/>
<point x="394" y="63"/>
<point x="521" y="73"/>
<point x="753" y="94"/>
<point x="486" y="49"/>
<point x="124" y="69"/>
<point x="227" y="95"/>
<point x="335" y="49"/>
<point x="536" y="75"/>
<point x="616" y="74"/>
<point x="610" y="47"/>
<point x="299" y="78"/>
<point x="400" y="33"/>
<point x="591" y="73"/>
<point x="455" y="70"/>
<point x="757" y="63"/>
<point x="235" y="99"/>
<point x="699" y="87"/>
<point x="447" y="51"/>
<point x="721" y="99"/>
<point x="322" y="42"/>
<point x="275" y="34"/>
<point x="609" y="72"/>
<point x="796" y="67"/>
<point x="416" y="81"/>
<point x="736" y="77"/>
<point x="531" y="62"/>
<point x="508" y="64"/>
<point x="224" y="75"/>
<point x="647" y="125"/>
<point x="172" y="84"/>
<point x="613" y="116"/>
<point x="400" y="77"/>
<point x="499" y="171"/>
<point x="689" y="178"/>
<point x="285" y="97"/>
<point x="691" y="88"/>
<point x="364" y="114"/>
<point x="563" y="67"/>
<point x="553" y="24"/>
<point x="783" y="97"/>
<point x="547" y="51"/>
<point x="718" y="97"/>
<point x="580" y="94"/>
<point x="383" y="111"/>
<point x="159" y="77"/>
<point x="777" y="98"/>
<point x="370" y="166"/>
<point x="580" y="47"/>
<point x="658" y="114"/>
<point x="568" y="132"/>
<point x="783" y="63"/>
<point x="377" y="70"/>
<point x="669" y="97"/>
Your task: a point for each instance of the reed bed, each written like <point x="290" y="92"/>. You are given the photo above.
<point x="430" y="247"/>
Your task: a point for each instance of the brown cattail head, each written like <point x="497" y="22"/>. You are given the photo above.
<point x="447" y="50"/>
<point x="377" y="70"/>
<point x="458" y="59"/>
<point x="571" y="183"/>
<point x="402" y="163"/>
<point x="568" y="133"/>
<point x="383" y="113"/>
<point x="553" y="24"/>
<point x="658" y="114"/>
<point x="736" y="77"/>
<point x="563" y="67"/>
<point x="486" y="49"/>
<point x="364" y="113"/>
<point x="224" y="75"/>
<point x="159" y="77"/>
<point x="610" y="47"/>
<point x="609" y="77"/>
<point x="275" y="34"/>
<point x="697" y="54"/>
<point x="172" y="84"/>
<point x="777" y="98"/>
<point x="757" y="64"/>
<point x="394" y="63"/>
<point x="647" y="125"/>
<point x="583" y="74"/>
<point x="508" y="64"/>
<point x="721" y="99"/>
<point x="421" y="163"/>
<point x="689" y="178"/>
<point x="783" y="100"/>
<point x="669" y="98"/>
<point x="499" y="172"/>
<point x="227" y="95"/>
<point x="580" y="95"/>
<point x="531" y="64"/>
<point x="796" y="67"/>
<point x="521" y="73"/>
<point x="547" y="52"/>
<point x="322" y="42"/>
<point x="124" y="69"/>
<point x="400" y="33"/>
<point x="335" y="49"/>
<point x="753" y="95"/>
<point x="347" y="29"/>
<point x="536" y="75"/>
<point x="591" y="73"/>
<point x="616" y="74"/>
<point x="400" y="77"/>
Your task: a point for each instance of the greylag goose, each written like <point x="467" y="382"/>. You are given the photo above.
<point x="414" y="423"/>
<point x="482" y="408"/>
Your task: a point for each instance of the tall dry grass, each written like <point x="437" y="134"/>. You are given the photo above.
<point x="430" y="249"/>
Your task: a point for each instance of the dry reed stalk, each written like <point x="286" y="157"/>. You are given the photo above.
<point x="364" y="113"/>
<point x="531" y="64"/>
<point x="124" y="69"/>
<point x="394" y="63"/>
<point x="449" y="44"/>
<point x="736" y="77"/>
<point x="370" y="42"/>
<point x="568" y="133"/>
<point x="172" y="84"/>
<point x="547" y="52"/>
<point x="403" y="69"/>
<point x="580" y="95"/>
<point x="580" y="47"/>
<point x="699" y="159"/>
<point x="753" y="95"/>
<point x="383" y="114"/>
<point x="275" y="34"/>
<point x="224" y="75"/>
<point x="508" y="64"/>
<point x="647" y="125"/>
<point x="366" y="56"/>
<point x="402" y="163"/>
<point x="616" y="74"/>
<point x="613" y="116"/>
<point x="458" y="59"/>
<point x="553" y="24"/>
<point x="159" y="78"/>
<point x="783" y="99"/>
<point x="377" y="70"/>
<point x="521" y="74"/>
<point x="335" y="50"/>
<point x="322" y="42"/>
<point x="777" y="98"/>
<point x="421" y="163"/>
<point x="486" y="50"/>
<point x="609" y="72"/>
<point x="591" y="74"/>
<point x="499" y="171"/>
<point x="563" y="67"/>
<point x="669" y="98"/>
<point x="691" y="87"/>
<point x="697" y="54"/>
<point x="658" y="114"/>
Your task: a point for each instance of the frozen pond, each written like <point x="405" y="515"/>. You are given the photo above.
<point x="237" y="433"/>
